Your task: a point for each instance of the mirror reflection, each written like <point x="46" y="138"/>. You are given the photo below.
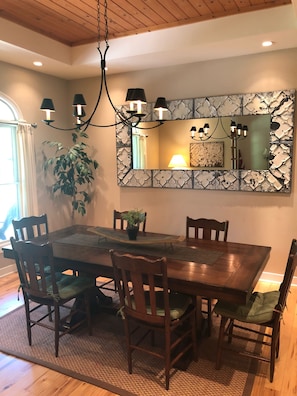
<point x="218" y="149"/>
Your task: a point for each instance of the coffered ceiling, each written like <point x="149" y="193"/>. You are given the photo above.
<point x="142" y="33"/>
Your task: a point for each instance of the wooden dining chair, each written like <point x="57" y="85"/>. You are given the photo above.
<point x="207" y="229"/>
<point x="120" y="223"/>
<point x="55" y="290"/>
<point x="30" y="227"/>
<point x="261" y="317"/>
<point x="149" y="308"/>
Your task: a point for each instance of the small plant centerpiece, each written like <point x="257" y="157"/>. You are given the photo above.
<point x="133" y="218"/>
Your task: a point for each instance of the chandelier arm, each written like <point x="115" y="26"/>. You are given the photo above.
<point x="228" y="135"/>
<point x="128" y="124"/>
<point x="159" y="123"/>
<point x="60" y="129"/>
<point x="102" y="58"/>
<point x="116" y="110"/>
<point x="201" y="139"/>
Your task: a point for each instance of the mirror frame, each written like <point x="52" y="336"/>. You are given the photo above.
<point x="279" y="104"/>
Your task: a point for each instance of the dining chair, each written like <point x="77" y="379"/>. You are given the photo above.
<point x="207" y="229"/>
<point x="261" y="317"/>
<point x="42" y="290"/>
<point x="119" y="223"/>
<point x="149" y="308"/>
<point x="30" y="227"/>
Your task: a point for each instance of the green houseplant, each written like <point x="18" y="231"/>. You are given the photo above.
<point x="72" y="169"/>
<point x="134" y="218"/>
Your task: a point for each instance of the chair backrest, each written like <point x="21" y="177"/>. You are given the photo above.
<point x="30" y="227"/>
<point x="33" y="263"/>
<point x="139" y="279"/>
<point x="119" y="223"/>
<point x="288" y="276"/>
<point x="207" y="229"/>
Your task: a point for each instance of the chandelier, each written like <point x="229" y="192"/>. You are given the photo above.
<point x="237" y="131"/>
<point x="135" y="97"/>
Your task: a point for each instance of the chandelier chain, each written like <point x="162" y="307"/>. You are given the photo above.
<point x="99" y="36"/>
<point x="106" y="22"/>
<point x="98" y="23"/>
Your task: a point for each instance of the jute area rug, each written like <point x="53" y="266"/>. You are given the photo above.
<point x="100" y="359"/>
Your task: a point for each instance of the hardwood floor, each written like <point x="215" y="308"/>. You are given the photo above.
<point x="20" y="377"/>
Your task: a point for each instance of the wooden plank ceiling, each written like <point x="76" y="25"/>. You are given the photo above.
<point x="74" y="22"/>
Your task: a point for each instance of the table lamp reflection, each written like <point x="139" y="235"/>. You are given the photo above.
<point x="177" y="162"/>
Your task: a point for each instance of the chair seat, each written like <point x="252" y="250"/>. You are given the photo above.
<point x="259" y="308"/>
<point x="69" y="286"/>
<point x="179" y="303"/>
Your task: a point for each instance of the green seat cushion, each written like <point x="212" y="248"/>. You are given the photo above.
<point x="70" y="286"/>
<point x="259" y="308"/>
<point x="179" y="303"/>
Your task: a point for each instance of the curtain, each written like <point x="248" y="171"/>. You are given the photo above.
<point x="139" y="151"/>
<point x="27" y="170"/>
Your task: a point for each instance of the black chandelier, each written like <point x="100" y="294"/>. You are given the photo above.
<point x="237" y="131"/>
<point x="135" y="97"/>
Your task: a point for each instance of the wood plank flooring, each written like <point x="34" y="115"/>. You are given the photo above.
<point x="20" y="377"/>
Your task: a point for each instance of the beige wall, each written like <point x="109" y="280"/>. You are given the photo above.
<point x="265" y="219"/>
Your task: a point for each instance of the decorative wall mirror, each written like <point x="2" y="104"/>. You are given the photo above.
<point x="278" y="108"/>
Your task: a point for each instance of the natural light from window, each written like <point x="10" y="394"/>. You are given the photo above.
<point x="9" y="181"/>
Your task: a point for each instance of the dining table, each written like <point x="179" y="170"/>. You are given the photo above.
<point x="220" y="270"/>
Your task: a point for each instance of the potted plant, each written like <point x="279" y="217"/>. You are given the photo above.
<point x="72" y="169"/>
<point x="134" y="218"/>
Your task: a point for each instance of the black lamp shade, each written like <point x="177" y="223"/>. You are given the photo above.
<point x="161" y="103"/>
<point x="135" y="94"/>
<point x="47" y="104"/>
<point x="193" y="129"/>
<point x="79" y="100"/>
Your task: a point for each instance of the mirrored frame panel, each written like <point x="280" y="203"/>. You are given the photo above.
<point x="279" y="105"/>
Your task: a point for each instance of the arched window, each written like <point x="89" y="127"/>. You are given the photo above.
<point x="15" y="164"/>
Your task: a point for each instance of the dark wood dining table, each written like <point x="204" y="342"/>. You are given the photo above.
<point x="219" y="270"/>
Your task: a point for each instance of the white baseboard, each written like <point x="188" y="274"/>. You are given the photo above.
<point x="7" y="270"/>
<point x="277" y="278"/>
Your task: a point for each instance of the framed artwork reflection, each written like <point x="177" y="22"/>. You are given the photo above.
<point x="207" y="154"/>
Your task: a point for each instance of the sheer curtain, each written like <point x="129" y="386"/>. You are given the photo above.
<point x="27" y="170"/>
<point x="139" y="151"/>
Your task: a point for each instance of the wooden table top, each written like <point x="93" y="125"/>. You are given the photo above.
<point x="224" y="270"/>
